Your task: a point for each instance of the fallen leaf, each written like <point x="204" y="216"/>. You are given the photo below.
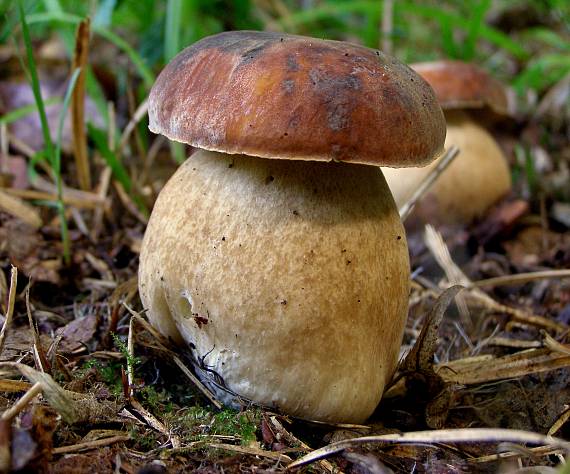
<point x="77" y="333"/>
<point x="28" y="129"/>
<point x="421" y="355"/>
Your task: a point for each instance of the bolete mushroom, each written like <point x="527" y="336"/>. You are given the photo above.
<point x="272" y="253"/>
<point x="479" y="176"/>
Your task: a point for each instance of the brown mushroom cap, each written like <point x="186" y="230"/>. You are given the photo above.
<point x="460" y="85"/>
<point x="280" y="96"/>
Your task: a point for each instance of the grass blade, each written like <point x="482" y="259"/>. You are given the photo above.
<point x="119" y="171"/>
<point x="172" y="28"/>
<point x="498" y="38"/>
<point x="171" y="47"/>
<point x="448" y="42"/>
<point x="104" y="14"/>
<point x="33" y="72"/>
<point x="476" y="21"/>
<point x="57" y="167"/>
<point x="21" y="112"/>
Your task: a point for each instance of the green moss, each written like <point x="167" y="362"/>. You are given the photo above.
<point x="198" y="422"/>
<point x="158" y="401"/>
<point x="145" y="439"/>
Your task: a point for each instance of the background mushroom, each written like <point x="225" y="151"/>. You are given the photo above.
<point x="480" y="175"/>
<point x="272" y="252"/>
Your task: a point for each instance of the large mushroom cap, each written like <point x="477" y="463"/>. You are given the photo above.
<point x="274" y="95"/>
<point x="460" y="85"/>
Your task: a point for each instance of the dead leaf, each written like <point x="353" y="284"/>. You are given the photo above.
<point x="366" y="463"/>
<point x="437" y="409"/>
<point x="73" y="407"/>
<point x="500" y="220"/>
<point x="27" y="249"/>
<point x="14" y="95"/>
<point x="44" y="423"/>
<point x="77" y="333"/>
<point x="16" y="173"/>
<point x="421" y="355"/>
<point x="24" y="449"/>
<point x="5" y="443"/>
<point x="266" y="432"/>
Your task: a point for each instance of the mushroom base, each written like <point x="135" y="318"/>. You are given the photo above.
<point x="288" y="279"/>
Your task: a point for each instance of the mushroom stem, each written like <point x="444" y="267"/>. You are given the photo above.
<point x="289" y="279"/>
<point x="470" y="185"/>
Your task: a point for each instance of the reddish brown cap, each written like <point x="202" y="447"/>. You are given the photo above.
<point x="460" y="85"/>
<point x="291" y="97"/>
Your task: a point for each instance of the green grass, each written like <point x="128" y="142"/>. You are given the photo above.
<point x="17" y="114"/>
<point x="53" y="153"/>
<point x="451" y="29"/>
<point x="67" y="18"/>
<point x="172" y="29"/>
<point x="56" y="167"/>
<point x="543" y="72"/>
<point x="474" y="25"/>
<point x="120" y="173"/>
<point x="112" y="160"/>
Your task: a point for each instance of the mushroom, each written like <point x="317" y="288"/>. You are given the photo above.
<point x="479" y="177"/>
<point x="273" y="254"/>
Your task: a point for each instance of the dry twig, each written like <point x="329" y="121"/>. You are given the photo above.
<point x="20" y="209"/>
<point x="428" y="181"/>
<point x="80" y="58"/>
<point x="474" y="295"/>
<point x="99" y="443"/>
<point x="466" y="435"/>
<point x="520" y="278"/>
<point x="560" y="422"/>
<point x="326" y="465"/>
<point x="10" y="310"/>
<point x="530" y="452"/>
<point x="155" y="423"/>
<point x="481" y="369"/>
<point x="39" y="354"/>
<point x="139" y="114"/>
<point x="7" y="385"/>
<point x="252" y="451"/>
<point x="23" y="402"/>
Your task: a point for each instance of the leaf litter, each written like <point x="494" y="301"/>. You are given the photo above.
<point x="87" y="385"/>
